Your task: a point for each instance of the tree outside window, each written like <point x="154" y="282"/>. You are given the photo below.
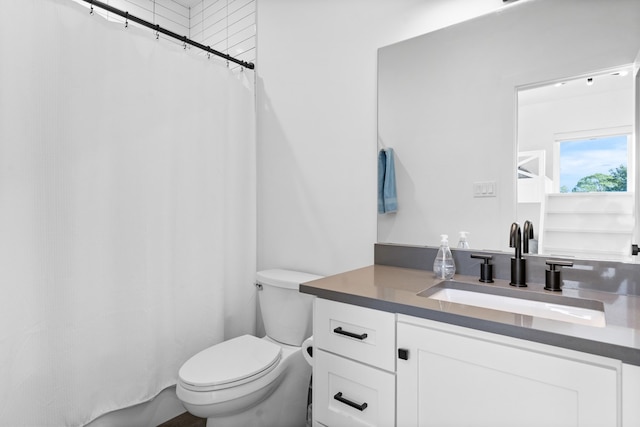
<point x="594" y="164"/>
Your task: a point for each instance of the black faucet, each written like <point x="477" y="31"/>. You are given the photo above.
<point x="527" y="233"/>
<point x="515" y="239"/>
<point x="518" y="264"/>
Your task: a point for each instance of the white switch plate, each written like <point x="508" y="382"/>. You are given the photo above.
<point x="485" y="189"/>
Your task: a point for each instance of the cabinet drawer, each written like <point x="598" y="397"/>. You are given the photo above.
<point x="348" y="393"/>
<point x="359" y="333"/>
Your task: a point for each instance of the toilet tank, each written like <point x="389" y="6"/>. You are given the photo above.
<point x="286" y="313"/>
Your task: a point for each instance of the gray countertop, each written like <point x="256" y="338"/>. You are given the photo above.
<point x="395" y="290"/>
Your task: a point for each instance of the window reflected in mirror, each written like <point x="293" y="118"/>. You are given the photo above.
<point x="593" y="165"/>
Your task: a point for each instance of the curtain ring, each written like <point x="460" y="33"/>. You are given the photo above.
<point x="91" y="11"/>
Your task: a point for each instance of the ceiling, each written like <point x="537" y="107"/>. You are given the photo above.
<point x="611" y="80"/>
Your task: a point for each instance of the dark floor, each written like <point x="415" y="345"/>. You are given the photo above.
<point x="185" y="420"/>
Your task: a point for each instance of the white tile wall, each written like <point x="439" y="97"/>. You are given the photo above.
<point x="228" y="26"/>
<point x="166" y="13"/>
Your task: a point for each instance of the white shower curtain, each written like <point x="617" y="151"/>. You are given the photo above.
<point x="127" y="211"/>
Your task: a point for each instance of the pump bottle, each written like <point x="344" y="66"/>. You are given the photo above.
<point x="444" y="266"/>
<point x="463" y="243"/>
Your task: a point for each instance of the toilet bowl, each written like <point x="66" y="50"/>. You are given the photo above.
<point x="258" y="398"/>
<point x="249" y="381"/>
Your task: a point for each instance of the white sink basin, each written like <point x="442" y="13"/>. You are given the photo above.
<point x="554" y="307"/>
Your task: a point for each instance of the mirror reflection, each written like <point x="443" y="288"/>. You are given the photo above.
<point x="575" y="166"/>
<point x="462" y="108"/>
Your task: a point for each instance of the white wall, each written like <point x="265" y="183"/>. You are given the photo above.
<point x="316" y="74"/>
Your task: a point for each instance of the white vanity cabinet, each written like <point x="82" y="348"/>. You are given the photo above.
<point x="455" y="376"/>
<point x="375" y="368"/>
<point x="354" y="363"/>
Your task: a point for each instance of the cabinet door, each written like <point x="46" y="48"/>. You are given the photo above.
<point x="462" y="377"/>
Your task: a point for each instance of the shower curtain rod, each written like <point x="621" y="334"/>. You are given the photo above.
<point x="169" y="33"/>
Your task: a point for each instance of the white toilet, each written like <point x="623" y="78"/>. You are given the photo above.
<point x="249" y="381"/>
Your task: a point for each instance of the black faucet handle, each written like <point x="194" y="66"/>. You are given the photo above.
<point x="553" y="282"/>
<point x="486" y="268"/>
<point x="552" y="263"/>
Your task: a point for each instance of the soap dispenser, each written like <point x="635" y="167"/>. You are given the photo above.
<point x="443" y="265"/>
<point x="463" y="243"/>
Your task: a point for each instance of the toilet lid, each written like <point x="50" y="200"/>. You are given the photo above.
<point x="238" y="360"/>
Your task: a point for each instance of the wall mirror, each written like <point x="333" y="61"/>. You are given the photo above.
<point x="448" y="104"/>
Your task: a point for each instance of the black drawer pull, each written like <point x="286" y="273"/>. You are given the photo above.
<point x="339" y="330"/>
<point x="339" y="398"/>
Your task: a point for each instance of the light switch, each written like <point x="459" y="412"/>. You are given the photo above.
<point x="485" y="189"/>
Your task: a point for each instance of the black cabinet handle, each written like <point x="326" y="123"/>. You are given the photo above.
<point x="339" y="398"/>
<point x="339" y="330"/>
<point x="403" y="354"/>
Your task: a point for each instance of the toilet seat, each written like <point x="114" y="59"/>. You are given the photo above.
<point x="229" y="364"/>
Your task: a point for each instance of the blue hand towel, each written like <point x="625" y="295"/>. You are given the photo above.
<point x="382" y="165"/>
<point x="387" y="197"/>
